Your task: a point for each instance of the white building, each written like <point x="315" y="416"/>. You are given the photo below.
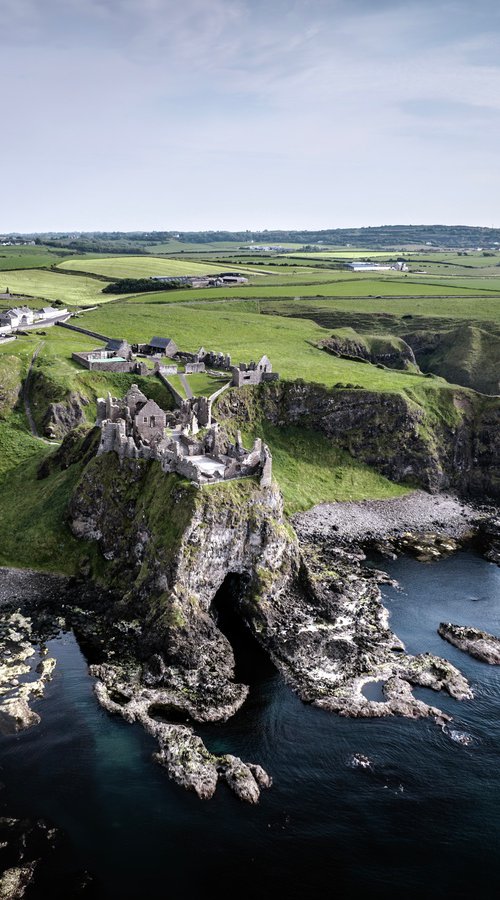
<point x="17" y="317"/>
<point x="50" y="312"/>
<point x="368" y="267"/>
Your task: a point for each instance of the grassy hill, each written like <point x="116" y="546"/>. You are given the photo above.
<point x="113" y="267"/>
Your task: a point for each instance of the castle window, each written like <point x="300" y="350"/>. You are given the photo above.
<point x="145" y="419"/>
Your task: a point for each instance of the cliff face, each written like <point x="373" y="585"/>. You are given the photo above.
<point x="392" y="352"/>
<point x="466" y="354"/>
<point x="453" y="446"/>
<point x="170" y="548"/>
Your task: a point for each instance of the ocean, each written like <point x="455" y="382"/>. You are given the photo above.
<point x="422" y="819"/>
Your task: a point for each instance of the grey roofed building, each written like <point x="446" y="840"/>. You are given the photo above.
<point x="163" y="345"/>
<point x="118" y="346"/>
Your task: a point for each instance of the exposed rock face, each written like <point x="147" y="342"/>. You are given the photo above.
<point x="459" y="450"/>
<point x="328" y="633"/>
<point x="395" y="353"/>
<point x="170" y="548"/>
<point x="490" y="536"/>
<point x="61" y="417"/>
<point x="477" y="643"/>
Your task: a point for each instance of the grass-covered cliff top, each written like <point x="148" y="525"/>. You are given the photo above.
<point x="294" y="301"/>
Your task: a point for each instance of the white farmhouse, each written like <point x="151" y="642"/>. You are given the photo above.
<point x="17" y="317"/>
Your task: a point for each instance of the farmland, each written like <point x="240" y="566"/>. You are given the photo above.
<point x="50" y="284"/>
<point x="364" y="288"/>
<point x="284" y="313"/>
<point x="19" y="257"/>
<point x="113" y="267"/>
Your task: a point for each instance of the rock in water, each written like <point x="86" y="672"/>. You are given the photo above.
<point x="473" y="641"/>
<point x="14" y="882"/>
<point x="15" y="715"/>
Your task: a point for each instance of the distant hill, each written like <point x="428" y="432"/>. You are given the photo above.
<point x="380" y="236"/>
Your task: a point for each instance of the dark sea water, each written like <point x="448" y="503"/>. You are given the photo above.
<point x="423" y="821"/>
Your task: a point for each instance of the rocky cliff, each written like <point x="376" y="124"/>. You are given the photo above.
<point x="169" y="548"/>
<point x="389" y="351"/>
<point x="448" y="439"/>
<point x="161" y="658"/>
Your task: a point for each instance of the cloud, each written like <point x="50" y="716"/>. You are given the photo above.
<point x="127" y="111"/>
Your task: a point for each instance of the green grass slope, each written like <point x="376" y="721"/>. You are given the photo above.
<point x="310" y="470"/>
<point x="113" y="267"/>
<point x="72" y="290"/>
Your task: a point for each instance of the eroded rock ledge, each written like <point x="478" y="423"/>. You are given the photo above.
<point x="329" y="635"/>
<point x="25" y="666"/>
<point x="477" y="643"/>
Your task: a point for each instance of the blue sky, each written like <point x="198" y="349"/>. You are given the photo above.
<point x="194" y="114"/>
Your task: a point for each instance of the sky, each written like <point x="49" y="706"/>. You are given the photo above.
<point x="248" y="114"/>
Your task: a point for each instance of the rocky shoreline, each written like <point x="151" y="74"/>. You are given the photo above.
<point x="360" y="521"/>
<point x="427" y="525"/>
<point x="25" y="625"/>
<point x="307" y="598"/>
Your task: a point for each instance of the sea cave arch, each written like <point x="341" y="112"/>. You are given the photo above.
<point x="229" y="609"/>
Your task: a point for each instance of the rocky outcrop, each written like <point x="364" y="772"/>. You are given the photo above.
<point x="181" y="752"/>
<point x="328" y="633"/>
<point x="170" y="547"/>
<point x="392" y="352"/>
<point x="457" y="448"/>
<point x="473" y="641"/>
<point x="63" y="416"/>
<point x="489" y="535"/>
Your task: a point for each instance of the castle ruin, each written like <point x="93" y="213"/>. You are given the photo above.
<point x="137" y="428"/>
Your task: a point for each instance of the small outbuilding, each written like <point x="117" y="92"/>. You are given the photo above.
<point x="160" y="346"/>
<point x="120" y="348"/>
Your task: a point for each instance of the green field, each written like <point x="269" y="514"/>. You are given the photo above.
<point x="362" y="289"/>
<point x="114" y="267"/>
<point x="29" y="257"/>
<point x="353" y="254"/>
<point x="472" y="309"/>
<point x="290" y="342"/>
<point x="74" y="290"/>
<point x="203" y="385"/>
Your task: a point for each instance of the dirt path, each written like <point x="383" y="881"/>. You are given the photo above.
<point x="26" y="392"/>
<point x="186" y="386"/>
